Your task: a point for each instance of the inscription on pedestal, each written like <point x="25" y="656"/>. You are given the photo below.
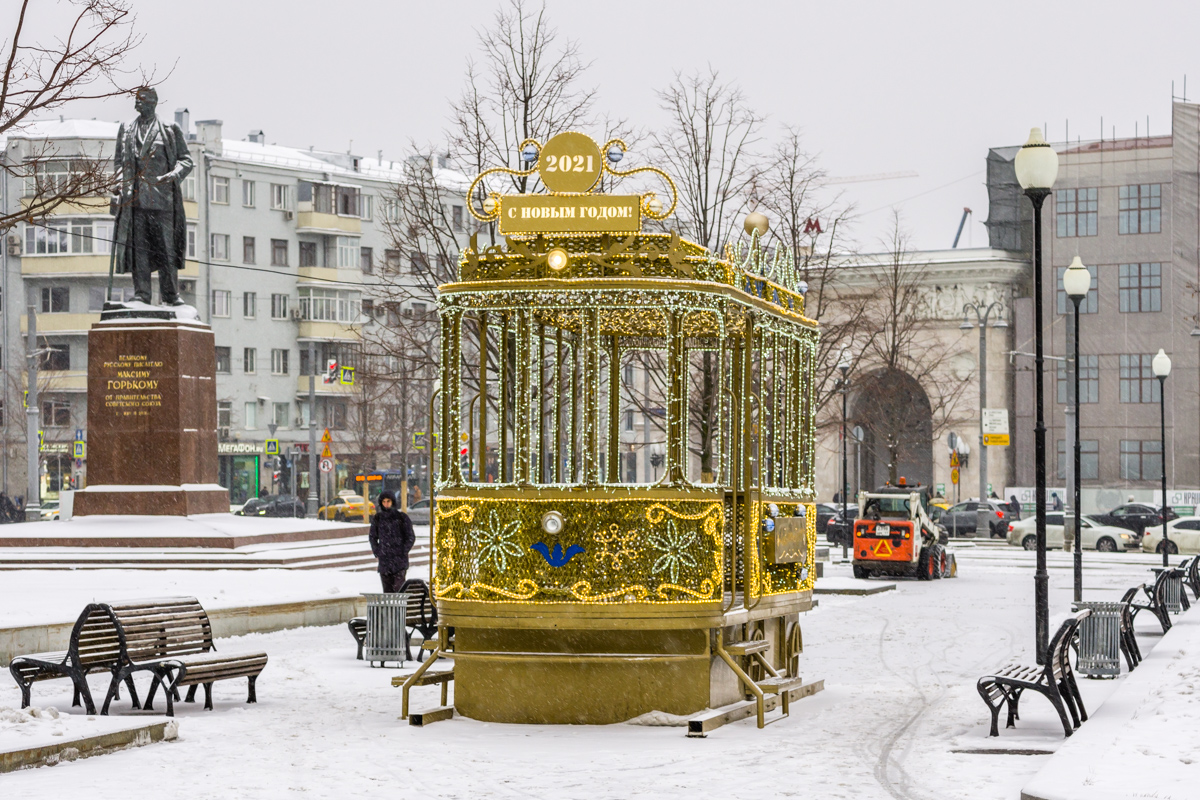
<point x="132" y="385"/>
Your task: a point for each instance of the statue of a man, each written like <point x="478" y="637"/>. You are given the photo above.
<point x="151" y="229"/>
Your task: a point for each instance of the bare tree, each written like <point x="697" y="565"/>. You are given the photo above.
<point x="912" y="394"/>
<point x="87" y="61"/>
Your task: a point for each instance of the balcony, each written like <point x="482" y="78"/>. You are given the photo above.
<point x="324" y="389"/>
<point x="59" y="381"/>
<point x="61" y="324"/>
<point x="84" y="205"/>
<point x="334" y="224"/>
<point x="92" y="264"/>
<point x="328" y="331"/>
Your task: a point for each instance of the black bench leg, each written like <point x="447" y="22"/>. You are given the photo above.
<point x="153" y="691"/>
<point x="133" y="696"/>
<point x="1014" y="702"/>
<point x="208" y="706"/>
<point x="191" y="695"/>
<point x="25" y="687"/>
<point x="1057" y="702"/>
<point x="1068" y="701"/>
<point x="74" y="699"/>
<point x="251" y="697"/>
<point x="114" y="689"/>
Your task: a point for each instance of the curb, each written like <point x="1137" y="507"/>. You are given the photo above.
<point x="72" y="749"/>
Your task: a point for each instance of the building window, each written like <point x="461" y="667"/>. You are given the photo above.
<point x="56" y="357"/>
<point x="1141" y="460"/>
<point x="281" y="197"/>
<point x="56" y="300"/>
<point x="279" y="361"/>
<point x="219" y="246"/>
<point x="347" y="201"/>
<point x="308" y="254"/>
<point x="248" y="249"/>
<point x="279" y="252"/>
<point x="223" y="360"/>
<point x="456" y="217"/>
<point x="365" y="206"/>
<point x="1138" y="384"/>
<point x="220" y="303"/>
<point x="1088" y="305"/>
<point x="250" y="305"/>
<point x="1089" y="380"/>
<point x="250" y="416"/>
<point x="418" y="264"/>
<point x="282" y="411"/>
<point x="1076" y="211"/>
<point x="250" y="360"/>
<point x="329" y="305"/>
<point x="279" y="306"/>
<point x="220" y="190"/>
<point x="366" y="260"/>
<point x="224" y="418"/>
<point x="60" y="237"/>
<point x="391" y="262"/>
<point x="629" y="420"/>
<point x="337" y="416"/>
<point x="248" y="194"/>
<point x="1089" y="459"/>
<point x="391" y="209"/>
<point x="96" y="296"/>
<point x="1140" y="287"/>
<point x="189" y="188"/>
<point x="1139" y="208"/>
<point x="56" y="414"/>
<point x="347" y="252"/>
<point x="191" y="240"/>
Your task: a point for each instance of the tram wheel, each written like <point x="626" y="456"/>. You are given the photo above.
<point x="794" y="646"/>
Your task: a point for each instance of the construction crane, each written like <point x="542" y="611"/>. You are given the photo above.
<point x="961" y="224"/>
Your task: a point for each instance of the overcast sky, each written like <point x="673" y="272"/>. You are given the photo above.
<point x="878" y="87"/>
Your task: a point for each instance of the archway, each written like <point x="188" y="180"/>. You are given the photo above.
<point x="897" y="421"/>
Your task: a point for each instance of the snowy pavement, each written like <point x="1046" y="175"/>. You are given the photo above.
<point x="899" y="709"/>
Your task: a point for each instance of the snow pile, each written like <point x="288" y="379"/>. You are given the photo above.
<point x="19" y="725"/>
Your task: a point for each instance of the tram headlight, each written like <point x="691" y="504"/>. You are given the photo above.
<point x="557" y="259"/>
<point x="553" y="523"/>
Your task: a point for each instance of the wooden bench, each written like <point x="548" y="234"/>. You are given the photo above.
<point x="94" y="646"/>
<point x="172" y="639"/>
<point x="420" y="615"/>
<point x="1154" y="593"/>
<point x="1055" y="681"/>
<point x="1129" y="645"/>
<point x="1191" y="575"/>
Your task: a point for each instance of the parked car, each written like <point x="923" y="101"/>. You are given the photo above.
<point x="273" y="505"/>
<point x="837" y="530"/>
<point x="826" y="512"/>
<point x="962" y="519"/>
<point x="49" y="510"/>
<point x="1183" y="534"/>
<point x="1096" y="535"/>
<point x="1136" y="517"/>
<point x="418" y="512"/>
<point x="347" y="506"/>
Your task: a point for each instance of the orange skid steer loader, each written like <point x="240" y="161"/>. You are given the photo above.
<point x="895" y="535"/>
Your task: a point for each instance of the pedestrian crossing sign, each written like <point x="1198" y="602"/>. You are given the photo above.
<point x="271" y="447"/>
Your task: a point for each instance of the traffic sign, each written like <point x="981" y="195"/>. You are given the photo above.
<point x="346" y="377"/>
<point x="954" y="475"/>
<point x="940" y="490"/>
<point x="326" y="453"/>
<point x="326" y="465"/>
<point x="271" y="447"/>
<point x="80" y="450"/>
<point x="995" y="420"/>
<point x="464" y="437"/>
<point x="78" y="434"/>
<point x="418" y="440"/>
<point x="325" y="437"/>
<point x="954" y="460"/>
<point x="995" y="439"/>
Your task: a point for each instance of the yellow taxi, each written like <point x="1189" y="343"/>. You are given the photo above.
<point x="346" y="507"/>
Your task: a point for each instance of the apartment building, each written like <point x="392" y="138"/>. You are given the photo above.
<point x="1129" y="208"/>
<point x="286" y="247"/>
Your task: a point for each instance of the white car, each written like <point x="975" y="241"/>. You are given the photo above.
<point x="1105" y="538"/>
<point x="1184" y="534"/>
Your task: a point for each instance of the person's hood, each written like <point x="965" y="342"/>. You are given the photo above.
<point x="390" y="496"/>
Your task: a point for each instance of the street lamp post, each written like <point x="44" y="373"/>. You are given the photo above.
<point x="1161" y="365"/>
<point x="1036" y="166"/>
<point x="847" y="526"/>
<point x="981" y="316"/>
<point x="1077" y="280"/>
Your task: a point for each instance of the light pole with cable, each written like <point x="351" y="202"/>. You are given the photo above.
<point x="982" y="525"/>
<point x="1077" y="281"/>
<point x="1161" y="365"/>
<point x="1036" y="166"/>
<point x="847" y="526"/>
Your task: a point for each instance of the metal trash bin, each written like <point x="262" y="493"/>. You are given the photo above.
<point x="1099" y="654"/>
<point x="385" y="628"/>
<point x="1172" y="589"/>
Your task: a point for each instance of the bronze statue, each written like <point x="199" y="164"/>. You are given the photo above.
<point x="152" y="159"/>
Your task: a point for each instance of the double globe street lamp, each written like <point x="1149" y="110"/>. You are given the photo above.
<point x="1077" y="282"/>
<point x="1036" y="165"/>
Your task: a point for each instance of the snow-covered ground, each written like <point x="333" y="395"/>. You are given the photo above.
<point x="899" y="668"/>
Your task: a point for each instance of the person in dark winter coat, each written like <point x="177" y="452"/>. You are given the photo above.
<point x="391" y="538"/>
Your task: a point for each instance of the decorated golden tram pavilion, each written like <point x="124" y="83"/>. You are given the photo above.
<point x="566" y="595"/>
